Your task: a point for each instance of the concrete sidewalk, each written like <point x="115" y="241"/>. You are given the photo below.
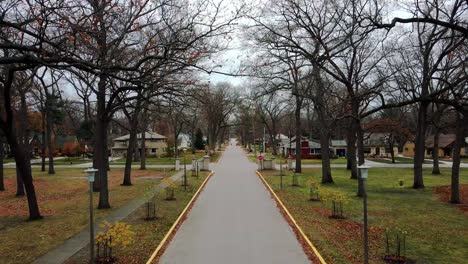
<point x="81" y="240"/>
<point x="234" y="221"/>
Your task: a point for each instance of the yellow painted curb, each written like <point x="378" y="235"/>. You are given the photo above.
<point x="314" y="249"/>
<point x="171" y="230"/>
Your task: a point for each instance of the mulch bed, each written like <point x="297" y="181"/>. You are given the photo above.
<point x="444" y="195"/>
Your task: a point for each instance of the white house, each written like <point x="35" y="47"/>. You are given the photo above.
<point x="184" y="141"/>
<point x="155" y="144"/>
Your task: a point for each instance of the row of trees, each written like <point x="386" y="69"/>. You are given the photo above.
<point x="126" y="57"/>
<point x="343" y="61"/>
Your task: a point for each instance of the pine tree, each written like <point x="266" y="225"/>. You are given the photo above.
<point x="199" y="142"/>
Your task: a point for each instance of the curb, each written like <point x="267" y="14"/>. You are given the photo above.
<point x="292" y="222"/>
<point x="164" y="242"/>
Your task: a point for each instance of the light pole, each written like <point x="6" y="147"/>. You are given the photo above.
<point x="363" y="171"/>
<point x="90" y="173"/>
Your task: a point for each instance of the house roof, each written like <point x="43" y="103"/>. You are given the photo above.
<point x="148" y="135"/>
<point x="313" y="144"/>
<point x="444" y="140"/>
<point x="282" y="137"/>
<point x="338" y="143"/>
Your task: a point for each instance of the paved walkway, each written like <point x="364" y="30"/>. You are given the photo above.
<point x="234" y="221"/>
<point x="81" y="240"/>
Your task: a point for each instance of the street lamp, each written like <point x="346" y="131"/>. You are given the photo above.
<point x="363" y="172"/>
<point x="90" y="172"/>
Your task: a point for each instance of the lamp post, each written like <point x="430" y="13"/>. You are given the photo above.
<point x="185" y="170"/>
<point x="90" y="174"/>
<point x="363" y="172"/>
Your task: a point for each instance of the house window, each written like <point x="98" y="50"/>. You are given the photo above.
<point x="367" y="150"/>
<point x="153" y="150"/>
<point x="406" y="149"/>
<point x="311" y="151"/>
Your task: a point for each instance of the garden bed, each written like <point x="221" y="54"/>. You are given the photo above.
<point x="63" y="200"/>
<point x="150" y="233"/>
<point x="437" y="235"/>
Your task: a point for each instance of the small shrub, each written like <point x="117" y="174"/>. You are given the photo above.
<point x="295" y="180"/>
<point x="117" y="235"/>
<point x="150" y="202"/>
<point x="395" y="240"/>
<point x="314" y="187"/>
<point x="337" y="199"/>
<point x="401" y="182"/>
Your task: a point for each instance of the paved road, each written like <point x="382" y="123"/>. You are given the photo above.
<point x="234" y="221"/>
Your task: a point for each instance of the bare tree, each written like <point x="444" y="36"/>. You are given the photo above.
<point x="270" y="109"/>
<point x="218" y="104"/>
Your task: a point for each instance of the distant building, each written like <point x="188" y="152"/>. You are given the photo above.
<point x="446" y="142"/>
<point x="376" y="144"/>
<point x="339" y="147"/>
<point x="445" y="149"/>
<point x="184" y="141"/>
<point x="309" y="149"/>
<point x="155" y="144"/>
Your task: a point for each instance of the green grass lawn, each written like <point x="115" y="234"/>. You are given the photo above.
<point x="8" y="160"/>
<point x="464" y="160"/>
<point x="63" y="200"/>
<point x="437" y="231"/>
<point x="171" y="160"/>
<point x="254" y="158"/>
<point x="398" y="160"/>
<point x="150" y="233"/>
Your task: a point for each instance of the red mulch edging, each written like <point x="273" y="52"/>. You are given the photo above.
<point x="444" y="195"/>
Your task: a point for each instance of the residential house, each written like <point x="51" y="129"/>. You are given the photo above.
<point x="309" y="148"/>
<point x="408" y="149"/>
<point x="155" y="144"/>
<point x="445" y="149"/>
<point x="376" y="144"/>
<point x="339" y="147"/>
<point x="184" y="141"/>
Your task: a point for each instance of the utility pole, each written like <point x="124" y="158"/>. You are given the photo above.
<point x="264" y="137"/>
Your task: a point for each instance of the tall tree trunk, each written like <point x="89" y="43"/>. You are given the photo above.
<point x="455" y="178"/>
<point x="176" y="142"/>
<point x="102" y="163"/>
<point x="49" y="142"/>
<point x="100" y="144"/>
<point x="143" y="145"/>
<point x="19" y="184"/>
<point x="325" y="149"/>
<point x="22" y="135"/>
<point x="221" y="139"/>
<point x="2" y="154"/>
<point x="351" y="150"/>
<point x="419" y="146"/>
<point x="43" y="143"/>
<point x="23" y="164"/>
<point x="390" y="145"/>
<point x="435" y="154"/>
<point x="297" y="114"/>
<point x="127" y="180"/>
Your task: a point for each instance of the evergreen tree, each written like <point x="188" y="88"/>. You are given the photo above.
<point x="199" y="143"/>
